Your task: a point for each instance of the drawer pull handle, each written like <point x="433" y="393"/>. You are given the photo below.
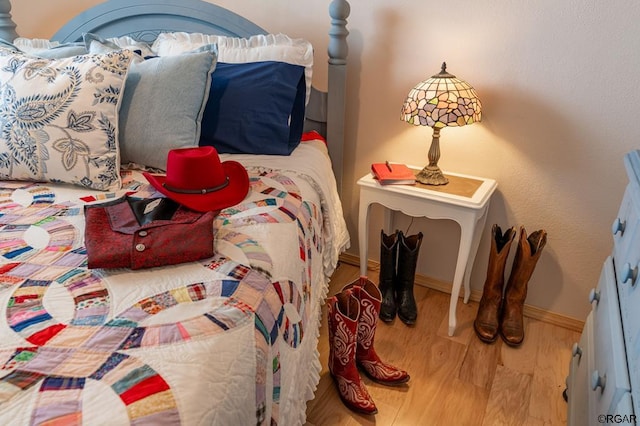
<point x="576" y="351"/>
<point x="629" y="273"/>
<point x="594" y="296"/>
<point x="598" y="381"/>
<point x="618" y="226"/>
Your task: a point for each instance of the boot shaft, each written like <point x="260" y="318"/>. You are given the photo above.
<point x="388" y="259"/>
<point x="527" y="254"/>
<point x="370" y="298"/>
<point x="408" y="250"/>
<point x="487" y="318"/>
<point x="500" y="247"/>
<point x="342" y="315"/>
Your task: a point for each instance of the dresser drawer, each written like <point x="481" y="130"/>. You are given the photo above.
<point x="627" y="267"/>
<point x="625" y="224"/>
<point x="626" y="253"/>
<point x="609" y="378"/>
<point x="578" y="382"/>
<point x="629" y="299"/>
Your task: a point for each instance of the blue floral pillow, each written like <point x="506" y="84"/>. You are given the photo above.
<point x="59" y="118"/>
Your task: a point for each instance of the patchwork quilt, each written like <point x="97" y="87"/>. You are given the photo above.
<point x="227" y="340"/>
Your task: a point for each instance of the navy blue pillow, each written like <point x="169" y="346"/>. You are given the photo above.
<point x="255" y="108"/>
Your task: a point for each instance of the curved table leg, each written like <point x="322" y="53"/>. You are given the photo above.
<point x="363" y="234"/>
<point x="477" y="235"/>
<point x="466" y="240"/>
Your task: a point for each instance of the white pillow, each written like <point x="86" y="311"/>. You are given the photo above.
<point x="126" y="42"/>
<point x="29" y="45"/>
<point x="44" y="48"/>
<point x="41" y="47"/>
<point x="60" y="118"/>
<point x="258" y="48"/>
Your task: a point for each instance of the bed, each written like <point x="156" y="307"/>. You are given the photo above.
<point x="227" y="339"/>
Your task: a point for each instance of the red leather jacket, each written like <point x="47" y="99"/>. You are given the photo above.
<point x="117" y="236"/>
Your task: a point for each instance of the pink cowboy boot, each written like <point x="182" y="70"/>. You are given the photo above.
<point x="370" y="300"/>
<point x="343" y="312"/>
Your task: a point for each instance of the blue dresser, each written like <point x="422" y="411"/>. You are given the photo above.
<point x="603" y="386"/>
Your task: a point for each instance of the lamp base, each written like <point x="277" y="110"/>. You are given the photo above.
<point x="431" y="175"/>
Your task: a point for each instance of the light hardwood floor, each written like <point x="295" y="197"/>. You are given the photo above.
<point x="455" y="380"/>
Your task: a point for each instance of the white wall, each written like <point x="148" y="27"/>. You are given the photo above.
<point x="558" y="82"/>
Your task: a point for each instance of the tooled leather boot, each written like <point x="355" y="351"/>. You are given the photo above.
<point x="343" y="312"/>
<point x="408" y="249"/>
<point x="487" y="319"/>
<point x="366" y="356"/>
<point x="527" y="255"/>
<point x="387" y="276"/>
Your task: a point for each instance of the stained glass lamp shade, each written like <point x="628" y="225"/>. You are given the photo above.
<point x="440" y="101"/>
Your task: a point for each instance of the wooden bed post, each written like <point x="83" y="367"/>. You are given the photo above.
<point x="7" y="26"/>
<point x="336" y="98"/>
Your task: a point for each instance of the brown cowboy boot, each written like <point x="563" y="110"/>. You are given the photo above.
<point x="387" y="277"/>
<point x="487" y="318"/>
<point x="343" y="312"/>
<point x="366" y="357"/>
<point x="527" y="255"/>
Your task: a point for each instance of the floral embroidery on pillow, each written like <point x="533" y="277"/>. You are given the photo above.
<point x="59" y="118"/>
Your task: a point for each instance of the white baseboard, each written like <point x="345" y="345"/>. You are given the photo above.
<point x="445" y="287"/>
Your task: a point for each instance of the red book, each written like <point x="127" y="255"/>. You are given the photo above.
<point x="393" y="174"/>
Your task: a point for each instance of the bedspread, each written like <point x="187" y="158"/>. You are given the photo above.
<point x="228" y="340"/>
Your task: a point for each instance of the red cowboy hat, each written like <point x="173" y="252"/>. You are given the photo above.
<point x="198" y="180"/>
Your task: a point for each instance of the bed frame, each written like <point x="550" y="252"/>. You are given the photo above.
<point x="145" y="19"/>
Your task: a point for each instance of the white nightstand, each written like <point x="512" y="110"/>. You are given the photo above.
<point x="465" y="200"/>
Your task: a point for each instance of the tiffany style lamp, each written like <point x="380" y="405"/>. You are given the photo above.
<point x="440" y="101"/>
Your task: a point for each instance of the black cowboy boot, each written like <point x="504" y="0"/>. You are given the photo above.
<point x="387" y="277"/>
<point x="408" y="248"/>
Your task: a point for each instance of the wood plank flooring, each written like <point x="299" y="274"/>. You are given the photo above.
<point x="456" y="380"/>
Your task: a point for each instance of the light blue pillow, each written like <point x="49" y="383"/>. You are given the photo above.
<point x="162" y="104"/>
